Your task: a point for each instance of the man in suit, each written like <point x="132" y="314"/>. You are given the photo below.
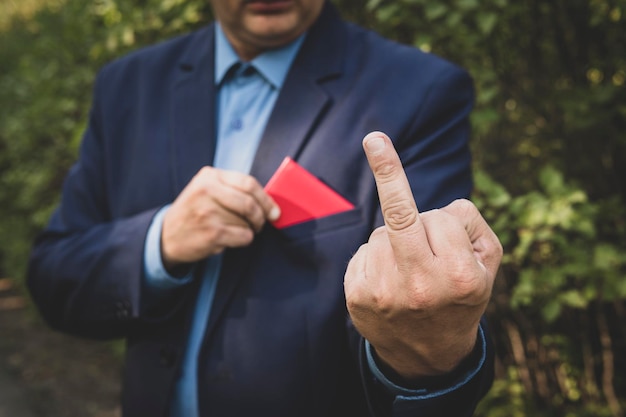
<point x="163" y="235"/>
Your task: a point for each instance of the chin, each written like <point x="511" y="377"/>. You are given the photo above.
<point x="275" y="34"/>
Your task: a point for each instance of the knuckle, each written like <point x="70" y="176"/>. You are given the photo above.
<point x="385" y="171"/>
<point x="203" y="172"/>
<point x="498" y="250"/>
<point x="247" y="236"/>
<point x="399" y="215"/>
<point x="353" y="300"/>
<point x="465" y="207"/>
<point x="249" y="207"/>
<point x="206" y="170"/>
<point x="203" y="212"/>
<point x="215" y="234"/>
<point x="205" y="176"/>
<point x="248" y="184"/>
<point x="465" y="290"/>
<point x="382" y="304"/>
<point x="467" y="287"/>
<point x="361" y="300"/>
<point x="378" y="233"/>
<point x="498" y="246"/>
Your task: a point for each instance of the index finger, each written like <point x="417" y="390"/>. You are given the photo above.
<point x="404" y="227"/>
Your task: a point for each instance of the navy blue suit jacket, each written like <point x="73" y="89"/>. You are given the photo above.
<point x="279" y="341"/>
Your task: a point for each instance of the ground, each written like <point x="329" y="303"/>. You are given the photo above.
<point x="46" y="374"/>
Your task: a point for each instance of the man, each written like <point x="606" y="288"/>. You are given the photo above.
<point x="164" y="234"/>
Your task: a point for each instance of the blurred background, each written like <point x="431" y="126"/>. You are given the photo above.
<point x="549" y="141"/>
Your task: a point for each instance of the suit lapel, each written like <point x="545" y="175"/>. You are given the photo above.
<point x="302" y="100"/>
<point x="299" y="105"/>
<point x="193" y="110"/>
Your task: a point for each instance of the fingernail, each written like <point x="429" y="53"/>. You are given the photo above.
<point x="375" y="144"/>
<point x="274" y="213"/>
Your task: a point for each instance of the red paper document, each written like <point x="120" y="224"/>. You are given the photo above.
<point x="301" y="196"/>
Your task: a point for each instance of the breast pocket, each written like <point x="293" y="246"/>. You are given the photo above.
<point x="308" y="230"/>
<point x="326" y="239"/>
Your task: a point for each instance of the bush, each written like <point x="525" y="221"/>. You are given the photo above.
<point x="549" y="148"/>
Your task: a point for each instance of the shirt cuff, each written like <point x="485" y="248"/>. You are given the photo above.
<point x="403" y="393"/>
<point x="156" y="276"/>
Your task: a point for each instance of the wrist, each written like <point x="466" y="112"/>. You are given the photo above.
<point x="172" y="265"/>
<point x="174" y="268"/>
<point x="410" y="364"/>
<point x="431" y="378"/>
<point x="177" y="269"/>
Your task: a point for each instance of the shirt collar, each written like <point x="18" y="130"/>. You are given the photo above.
<point x="273" y="65"/>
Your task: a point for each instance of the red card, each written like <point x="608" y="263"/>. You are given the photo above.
<point x="301" y="196"/>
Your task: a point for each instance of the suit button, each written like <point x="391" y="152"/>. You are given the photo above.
<point x="122" y="309"/>
<point x="122" y="313"/>
<point x="167" y="357"/>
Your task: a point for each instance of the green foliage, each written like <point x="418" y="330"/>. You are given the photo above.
<point x="43" y="100"/>
<point x="548" y="125"/>
<point x="549" y="148"/>
<point x="48" y="62"/>
<point x="555" y="245"/>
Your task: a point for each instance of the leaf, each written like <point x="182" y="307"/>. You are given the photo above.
<point x="386" y="13"/>
<point x="621" y="287"/>
<point x="467" y="4"/>
<point x="551" y="311"/>
<point x="552" y="180"/>
<point x="372" y="4"/>
<point x="607" y="257"/>
<point x="486" y="22"/>
<point x="453" y="18"/>
<point x="435" y="10"/>
<point x="496" y="194"/>
<point x="574" y="298"/>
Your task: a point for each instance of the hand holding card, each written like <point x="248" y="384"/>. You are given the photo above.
<point x="301" y="196"/>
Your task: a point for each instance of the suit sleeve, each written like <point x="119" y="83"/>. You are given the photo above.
<point x="85" y="270"/>
<point x="436" y="157"/>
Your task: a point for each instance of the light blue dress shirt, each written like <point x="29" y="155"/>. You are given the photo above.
<point x="245" y="101"/>
<point x="246" y="98"/>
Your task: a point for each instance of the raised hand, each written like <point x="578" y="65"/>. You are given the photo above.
<point x="417" y="290"/>
<point x="218" y="209"/>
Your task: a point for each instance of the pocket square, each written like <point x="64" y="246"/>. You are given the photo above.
<point x="301" y="196"/>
